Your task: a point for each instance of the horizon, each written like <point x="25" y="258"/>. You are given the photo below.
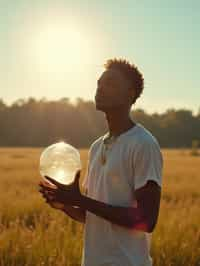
<point x="74" y="102"/>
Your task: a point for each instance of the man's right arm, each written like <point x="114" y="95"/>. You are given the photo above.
<point x="75" y="213"/>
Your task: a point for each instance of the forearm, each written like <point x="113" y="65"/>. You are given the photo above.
<point x="75" y="213"/>
<point x="125" y="216"/>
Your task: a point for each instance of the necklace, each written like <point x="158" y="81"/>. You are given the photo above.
<point x="106" y="145"/>
<point x="108" y="142"/>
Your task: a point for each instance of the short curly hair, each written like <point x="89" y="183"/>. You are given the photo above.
<point x="130" y="71"/>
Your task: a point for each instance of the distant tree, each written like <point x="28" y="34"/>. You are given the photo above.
<point x="31" y="122"/>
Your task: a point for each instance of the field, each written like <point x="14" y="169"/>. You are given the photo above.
<point x="33" y="234"/>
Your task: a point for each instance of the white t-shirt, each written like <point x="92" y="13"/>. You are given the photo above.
<point x="134" y="158"/>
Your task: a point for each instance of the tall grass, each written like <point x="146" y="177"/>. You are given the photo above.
<point x="33" y="234"/>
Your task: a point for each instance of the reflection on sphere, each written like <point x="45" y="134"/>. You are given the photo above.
<point x="60" y="161"/>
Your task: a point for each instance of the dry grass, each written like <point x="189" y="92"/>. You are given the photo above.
<point x="33" y="234"/>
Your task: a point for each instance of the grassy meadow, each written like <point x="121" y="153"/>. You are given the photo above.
<point x="33" y="234"/>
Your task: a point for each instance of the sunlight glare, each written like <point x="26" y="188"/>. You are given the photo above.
<point x="59" y="48"/>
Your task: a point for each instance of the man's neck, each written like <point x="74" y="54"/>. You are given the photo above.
<point x="118" y="122"/>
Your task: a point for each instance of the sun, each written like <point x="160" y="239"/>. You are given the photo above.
<point x="61" y="56"/>
<point x="58" y="48"/>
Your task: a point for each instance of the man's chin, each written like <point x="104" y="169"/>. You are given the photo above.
<point x="100" y="107"/>
<point x="104" y="108"/>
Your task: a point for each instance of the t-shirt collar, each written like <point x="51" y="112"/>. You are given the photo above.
<point x="126" y="133"/>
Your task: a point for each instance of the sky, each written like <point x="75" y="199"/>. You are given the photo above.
<point x="56" y="49"/>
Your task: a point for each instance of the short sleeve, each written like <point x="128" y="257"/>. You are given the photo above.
<point x="148" y="163"/>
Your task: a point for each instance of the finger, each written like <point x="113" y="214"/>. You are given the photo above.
<point x="77" y="177"/>
<point x="46" y="184"/>
<point x="41" y="190"/>
<point x="43" y="182"/>
<point x="51" y="200"/>
<point x="47" y="193"/>
<point x="78" y="173"/>
<point x="54" y="182"/>
<point x="48" y="188"/>
<point x="43" y="186"/>
<point x="44" y="194"/>
<point x="48" y="198"/>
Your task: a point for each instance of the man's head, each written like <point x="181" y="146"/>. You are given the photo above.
<point x="119" y="85"/>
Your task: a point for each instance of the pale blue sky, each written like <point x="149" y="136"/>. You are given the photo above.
<point x="161" y="37"/>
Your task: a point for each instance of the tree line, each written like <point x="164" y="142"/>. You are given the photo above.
<point x="39" y="123"/>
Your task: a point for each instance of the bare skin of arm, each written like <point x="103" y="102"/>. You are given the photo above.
<point x="148" y="198"/>
<point x="75" y="213"/>
<point x="143" y="218"/>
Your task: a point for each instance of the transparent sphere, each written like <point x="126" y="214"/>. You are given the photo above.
<point x="60" y="161"/>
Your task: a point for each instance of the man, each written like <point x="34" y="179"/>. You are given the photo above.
<point x="123" y="182"/>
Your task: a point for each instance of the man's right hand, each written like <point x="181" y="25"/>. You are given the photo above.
<point x="48" y="198"/>
<point x="75" y="213"/>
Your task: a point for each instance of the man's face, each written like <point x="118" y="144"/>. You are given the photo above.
<point x="113" y="91"/>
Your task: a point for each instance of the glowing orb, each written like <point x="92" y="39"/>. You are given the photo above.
<point x="60" y="161"/>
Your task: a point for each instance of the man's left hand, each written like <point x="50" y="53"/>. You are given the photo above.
<point x="66" y="194"/>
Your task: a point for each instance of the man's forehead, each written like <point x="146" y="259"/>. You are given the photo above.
<point x="111" y="73"/>
<point x="116" y="75"/>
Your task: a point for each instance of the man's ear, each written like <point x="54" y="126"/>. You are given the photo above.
<point x="132" y="94"/>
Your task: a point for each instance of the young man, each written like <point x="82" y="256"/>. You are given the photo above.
<point x="123" y="182"/>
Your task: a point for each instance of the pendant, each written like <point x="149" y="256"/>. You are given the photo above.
<point x="103" y="160"/>
<point x="103" y="157"/>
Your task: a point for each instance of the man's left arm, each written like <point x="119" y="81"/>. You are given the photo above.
<point x="143" y="217"/>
